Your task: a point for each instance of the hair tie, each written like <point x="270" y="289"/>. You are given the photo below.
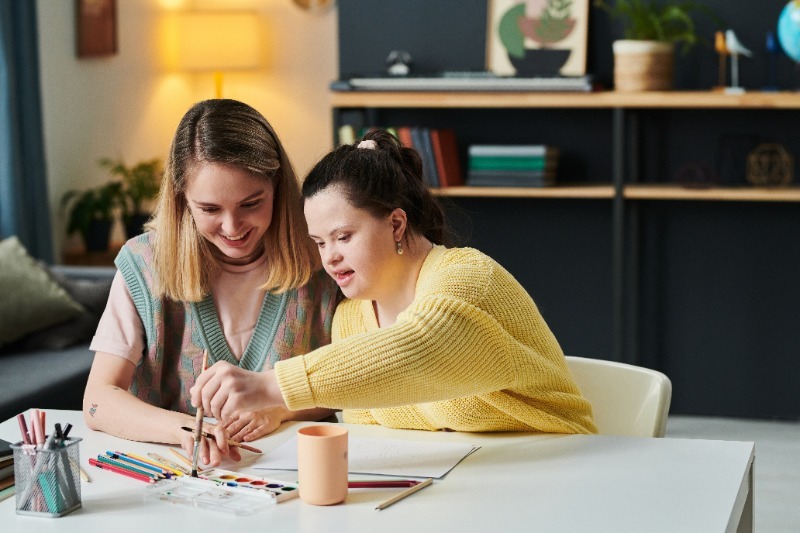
<point x="369" y="144"/>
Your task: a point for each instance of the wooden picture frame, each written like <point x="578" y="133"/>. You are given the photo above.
<point x="96" y="28"/>
<point x="537" y="37"/>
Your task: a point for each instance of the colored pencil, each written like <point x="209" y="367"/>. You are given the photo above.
<point x="181" y="457"/>
<point x="230" y="441"/>
<point x="382" y="484"/>
<point x="163" y="460"/>
<point x="138" y="464"/>
<point x="127" y="466"/>
<point x="198" y="423"/>
<point x="84" y="475"/>
<point x="167" y="468"/>
<point x="404" y="494"/>
<point x="124" y="472"/>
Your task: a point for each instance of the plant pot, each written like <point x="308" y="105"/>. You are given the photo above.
<point x="134" y="225"/>
<point x="97" y="235"/>
<point x="540" y="61"/>
<point x="643" y="65"/>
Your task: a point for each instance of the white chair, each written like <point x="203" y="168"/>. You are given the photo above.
<point x="626" y="400"/>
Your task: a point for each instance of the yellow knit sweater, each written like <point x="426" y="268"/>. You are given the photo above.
<point x="471" y="353"/>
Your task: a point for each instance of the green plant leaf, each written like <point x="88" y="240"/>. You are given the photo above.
<point x="509" y="32"/>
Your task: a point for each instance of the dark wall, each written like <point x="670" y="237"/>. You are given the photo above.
<point x="451" y="35"/>
<point x="716" y="285"/>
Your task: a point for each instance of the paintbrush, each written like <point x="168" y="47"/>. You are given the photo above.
<point x="231" y="442"/>
<point x="198" y="423"/>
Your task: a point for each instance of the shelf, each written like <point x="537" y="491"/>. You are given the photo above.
<point x="734" y="194"/>
<point x="604" y="99"/>
<point x="560" y="191"/>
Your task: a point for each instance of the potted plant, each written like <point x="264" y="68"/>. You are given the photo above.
<point x="644" y="59"/>
<point x="140" y="184"/>
<point x="90" y="212"/>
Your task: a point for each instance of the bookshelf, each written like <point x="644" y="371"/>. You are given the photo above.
<point x="672" y="261"/>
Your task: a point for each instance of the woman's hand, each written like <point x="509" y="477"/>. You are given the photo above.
<point x="247" y="426"/>
<point x="225" y="390"/>
<point x="211" y="451"/>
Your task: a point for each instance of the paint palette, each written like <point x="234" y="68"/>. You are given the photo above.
<point x="223" y="490"/>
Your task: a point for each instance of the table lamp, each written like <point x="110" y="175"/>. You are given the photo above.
<point x="217" y="41"/>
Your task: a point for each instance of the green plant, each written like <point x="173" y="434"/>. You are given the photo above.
<point x="95" y="204"/>
<point x="647" y="20"/>
<point x="140" y="183"/>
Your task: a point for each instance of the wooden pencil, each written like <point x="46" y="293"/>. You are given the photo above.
<point x="198" y="422"/>
<point x="404" y="494"/>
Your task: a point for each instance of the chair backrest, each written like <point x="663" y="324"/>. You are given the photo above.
<point x="626" y="400"/>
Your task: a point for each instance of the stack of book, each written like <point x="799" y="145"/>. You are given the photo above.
<point x="6" y="470"/>
<point x="437" y="148"/>
<point x="532" y="165"/>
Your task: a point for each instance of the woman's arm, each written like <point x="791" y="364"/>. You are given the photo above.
<point x="109" y="407"/>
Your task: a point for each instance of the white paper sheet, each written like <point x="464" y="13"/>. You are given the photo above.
<point x="382" y="456"/>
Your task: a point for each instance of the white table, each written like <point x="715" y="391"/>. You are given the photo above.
<point x="515" y="482"/>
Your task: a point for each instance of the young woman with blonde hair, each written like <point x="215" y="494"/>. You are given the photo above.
<point x="226" y="267"/>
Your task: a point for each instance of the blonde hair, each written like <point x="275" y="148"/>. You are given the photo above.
<point x="231" y="133"/>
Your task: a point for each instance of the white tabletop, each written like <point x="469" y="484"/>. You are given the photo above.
<point x="515" y="482"/>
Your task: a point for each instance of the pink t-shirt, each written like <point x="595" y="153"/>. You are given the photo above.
<point x="237" y="299"/>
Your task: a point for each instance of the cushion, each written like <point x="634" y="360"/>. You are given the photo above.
<point x="31" y="300"/>
<point x="92" y="294"/>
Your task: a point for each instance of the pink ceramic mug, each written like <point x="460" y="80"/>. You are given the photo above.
<point x="322" y="464"/>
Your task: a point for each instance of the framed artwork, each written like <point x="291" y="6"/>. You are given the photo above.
<point x="537" y="37"/>
<point x="96" y="31"/>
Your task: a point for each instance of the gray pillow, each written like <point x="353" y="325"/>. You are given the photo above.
<point x="30" y="300"/>
<point x="92" y="295"/>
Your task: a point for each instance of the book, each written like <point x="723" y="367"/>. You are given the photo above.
<point x="421" y="138"/>
<point x="8" y="482"/>
<point x="510" y="179"/>
<point x="445" y="152"/>
<point x="510" y="163"/>
<point x="513" y="150"/>
<point x="7" y="492"/>
<point x="347" y="134"/>
<point x="6" y="471"/>
<point x="404" y="134"/>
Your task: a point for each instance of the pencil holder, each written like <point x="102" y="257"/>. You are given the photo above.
<point x="48" y="480"/>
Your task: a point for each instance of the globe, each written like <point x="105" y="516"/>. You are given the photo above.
<point x="789" y="29"/>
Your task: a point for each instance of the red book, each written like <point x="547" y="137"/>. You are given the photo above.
<point x="445" y="151"/>
<point x="404" y="134"/>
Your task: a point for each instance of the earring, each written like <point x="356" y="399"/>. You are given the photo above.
<point x="399" y="248"/>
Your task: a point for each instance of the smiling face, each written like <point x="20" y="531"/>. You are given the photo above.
<point x="231" y="208"/>
<point x="357" y="249"/>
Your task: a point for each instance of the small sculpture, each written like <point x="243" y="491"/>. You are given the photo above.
<point x="735" y="49"/>
<point x="722" y="50"/>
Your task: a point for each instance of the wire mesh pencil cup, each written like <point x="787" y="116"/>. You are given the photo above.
<point x="48" y="480"/>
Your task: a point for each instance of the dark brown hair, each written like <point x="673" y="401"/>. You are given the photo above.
<point x="380" y="180"/>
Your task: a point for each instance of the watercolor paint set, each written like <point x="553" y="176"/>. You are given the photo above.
<point x="223" y="490"/>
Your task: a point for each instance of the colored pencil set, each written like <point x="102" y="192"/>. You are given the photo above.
<point x="47" y="468"/>
<point x="138" y="467"/>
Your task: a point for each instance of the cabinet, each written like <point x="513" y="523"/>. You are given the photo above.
<point x="701" y="283"/>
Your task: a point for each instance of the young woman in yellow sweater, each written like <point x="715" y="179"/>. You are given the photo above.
<point x="430" y="337"/>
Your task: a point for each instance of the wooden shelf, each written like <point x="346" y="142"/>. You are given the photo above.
<point x="560" y="191"/>
<point x="604" y="99"/>
<point x="734" y="194"/>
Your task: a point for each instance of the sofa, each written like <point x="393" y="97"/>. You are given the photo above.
<point x="47" y="366"/>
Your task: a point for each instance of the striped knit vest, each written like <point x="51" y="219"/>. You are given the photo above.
<point x="289" y="324"/>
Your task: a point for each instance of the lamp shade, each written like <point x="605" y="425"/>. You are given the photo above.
<point x="216" y="41"/>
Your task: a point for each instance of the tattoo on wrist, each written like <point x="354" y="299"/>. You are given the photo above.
<point x="93" y="410"/>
